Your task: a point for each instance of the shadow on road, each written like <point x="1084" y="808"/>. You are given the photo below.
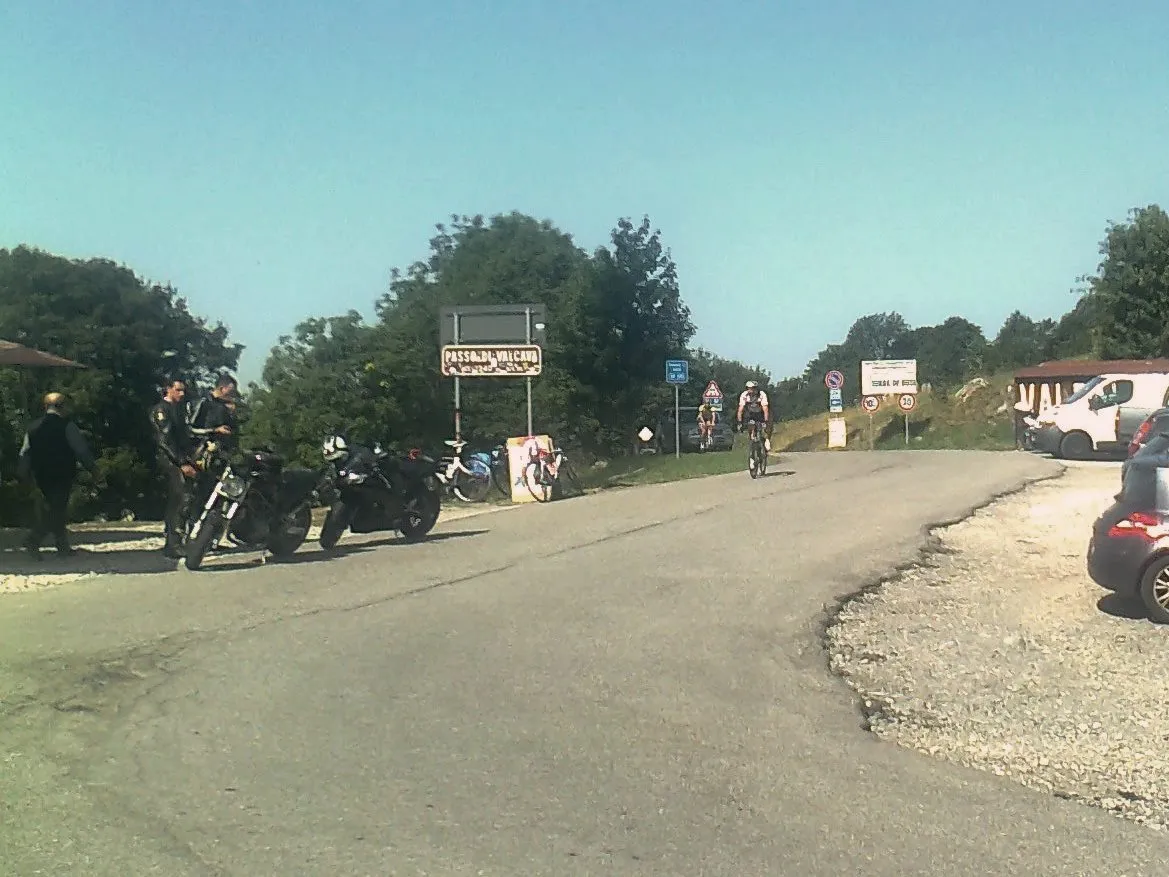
<point x="779" y="472"/>
<point x="1118" y="607"/>
<point x="251" y="559"/>
<point x="125" y="562"/>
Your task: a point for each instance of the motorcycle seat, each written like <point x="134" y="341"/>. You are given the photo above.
<point x="416" y="468"/>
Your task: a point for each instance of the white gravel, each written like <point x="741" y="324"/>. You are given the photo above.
<point x="120" y="549"/>
<point x="998" y="653"/>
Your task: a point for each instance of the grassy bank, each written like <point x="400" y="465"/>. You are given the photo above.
<point x="969" y="419"/>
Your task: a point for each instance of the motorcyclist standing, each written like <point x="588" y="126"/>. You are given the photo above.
<point x="214" y="415"/>
<point x="175" y="446"/>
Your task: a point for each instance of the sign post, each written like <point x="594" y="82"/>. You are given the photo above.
<point x="871" y="404"/>
<point x="677" y="373"/>
<point x="491" y="341"/>
<point x="907" y="402"/>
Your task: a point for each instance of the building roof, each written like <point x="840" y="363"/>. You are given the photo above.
<point x="12" y="353"/>
<point x="1089" y="368"/>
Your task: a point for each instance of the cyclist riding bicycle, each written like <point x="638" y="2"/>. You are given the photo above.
<point x="705" y="422"/>
<point x="753" y="405"/>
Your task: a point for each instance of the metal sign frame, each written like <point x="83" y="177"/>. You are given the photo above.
<point x="479" y="325"/>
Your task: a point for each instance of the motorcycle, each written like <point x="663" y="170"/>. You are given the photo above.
<point x="364" y="499"/>
<point x="255" y="502"/>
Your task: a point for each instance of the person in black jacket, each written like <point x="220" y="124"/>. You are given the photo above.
<point x="214" y="415"/>
<point x="53" y="446"/>
<point x="175" y="448"/>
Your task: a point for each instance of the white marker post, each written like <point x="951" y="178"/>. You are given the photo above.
<point x="677" y="424"/>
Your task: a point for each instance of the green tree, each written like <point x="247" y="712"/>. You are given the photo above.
<point x="1021" y="341"/>
<point x="131" y="334"/>
<point x="949" y="353"/>
<point x="1131" y="287"/>
<point x="613" y="318"/>
<point x="1075" y="333"/>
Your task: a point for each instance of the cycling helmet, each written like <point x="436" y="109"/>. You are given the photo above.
<point x="335" y="448"/>
<point x="751" y="385"/>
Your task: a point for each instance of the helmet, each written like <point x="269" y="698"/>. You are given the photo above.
<point x="335" y="448"/>
<point x="751" y="385"/>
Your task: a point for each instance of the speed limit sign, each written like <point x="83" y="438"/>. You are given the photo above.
<point x="906" y="402"/>
<point x="870" y="403"/>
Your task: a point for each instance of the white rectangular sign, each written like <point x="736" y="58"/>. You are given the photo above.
<point x="881" y="377"/>
<point x="837" y="432"/>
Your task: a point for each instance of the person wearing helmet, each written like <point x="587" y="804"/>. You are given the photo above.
<point x="706" y="418"/>
<point x="753" y="405"/>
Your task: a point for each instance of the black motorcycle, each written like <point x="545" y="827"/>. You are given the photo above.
<point x="255" y="502"/>
<point x="365" y="499"/>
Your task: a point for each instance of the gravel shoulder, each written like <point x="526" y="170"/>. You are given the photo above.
<point x="998" y="652"/>
<point x="129" y="549"/>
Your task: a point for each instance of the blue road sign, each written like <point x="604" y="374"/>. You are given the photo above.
<point x="677" y="371"/>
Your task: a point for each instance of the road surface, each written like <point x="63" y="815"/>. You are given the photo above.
<point x="630" y="683"/>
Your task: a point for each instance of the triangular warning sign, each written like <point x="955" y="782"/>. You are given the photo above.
<point x="712" y="391"/>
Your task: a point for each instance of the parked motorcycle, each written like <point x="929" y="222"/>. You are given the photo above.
<point x="255" y="502"/>
<point x="364" y="497"/>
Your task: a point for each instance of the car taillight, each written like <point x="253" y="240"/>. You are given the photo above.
<point x="1138" y="437"/>
<point x="1140" y="525"/>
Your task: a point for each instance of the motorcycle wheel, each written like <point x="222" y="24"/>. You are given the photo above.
<point x="336" y="522"/>
<point x="196" y="548"/>
<point x="472" y="488"/>
<point x="292" y="533"/>
<point x="422" y="510"/>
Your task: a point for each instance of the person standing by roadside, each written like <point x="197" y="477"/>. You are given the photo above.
<point x="53" y="446"/>
<point x="214" y="415"/>
<point x="173" y="437"/>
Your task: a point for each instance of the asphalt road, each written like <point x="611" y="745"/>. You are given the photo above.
<point x="630" y="683"/>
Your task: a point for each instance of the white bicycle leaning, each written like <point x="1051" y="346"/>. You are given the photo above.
<point x="469" y="481"/>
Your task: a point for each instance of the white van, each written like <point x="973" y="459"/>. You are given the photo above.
<point x="1101" y="416"/>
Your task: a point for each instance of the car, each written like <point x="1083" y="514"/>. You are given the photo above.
<point x="1157" y="422"/>
<point x="722" y="438"/>
<point x="1128" y="552"/>
<point x="1152" y="433"/>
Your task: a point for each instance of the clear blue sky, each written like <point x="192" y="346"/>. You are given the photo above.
<point x="807" y="162"/>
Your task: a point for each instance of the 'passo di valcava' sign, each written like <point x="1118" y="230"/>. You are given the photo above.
<point x="492" y="360"/>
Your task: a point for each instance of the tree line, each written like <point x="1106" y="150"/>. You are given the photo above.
<point x="614" y="316"/>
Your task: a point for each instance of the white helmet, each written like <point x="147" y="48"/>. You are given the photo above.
<point x="335" y="448"/>
<point x="751" y="385"/>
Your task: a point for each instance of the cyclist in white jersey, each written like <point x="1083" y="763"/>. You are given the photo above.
<point x="753" y="405"/>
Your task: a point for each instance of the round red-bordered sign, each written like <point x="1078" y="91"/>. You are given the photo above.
<point x="907" y="402"/>
<point x="870" y="403"/>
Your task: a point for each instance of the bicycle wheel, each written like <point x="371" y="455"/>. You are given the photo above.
<point x="500" y="477"/>
<point x="762" y="459"/>
<point x="538" y="485"/>
<point x="472" y="487"/>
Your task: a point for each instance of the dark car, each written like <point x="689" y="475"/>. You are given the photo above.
<point x="1157" y="422"/>
<point x="1128" y="552"/>
<point x="722" y="438"/>
<point x="1152" y="433"/>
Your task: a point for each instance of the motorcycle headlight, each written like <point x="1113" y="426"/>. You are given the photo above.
<point x="354" y="477"/>
<point x="233" y="487"/>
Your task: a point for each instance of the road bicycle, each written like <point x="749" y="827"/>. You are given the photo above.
<point x="548" y="470"/>
<point x="500" y="467"/>
<point x="705" y="438"/>
<point x="756" y="455"/>
<point x="469" y="481"/>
